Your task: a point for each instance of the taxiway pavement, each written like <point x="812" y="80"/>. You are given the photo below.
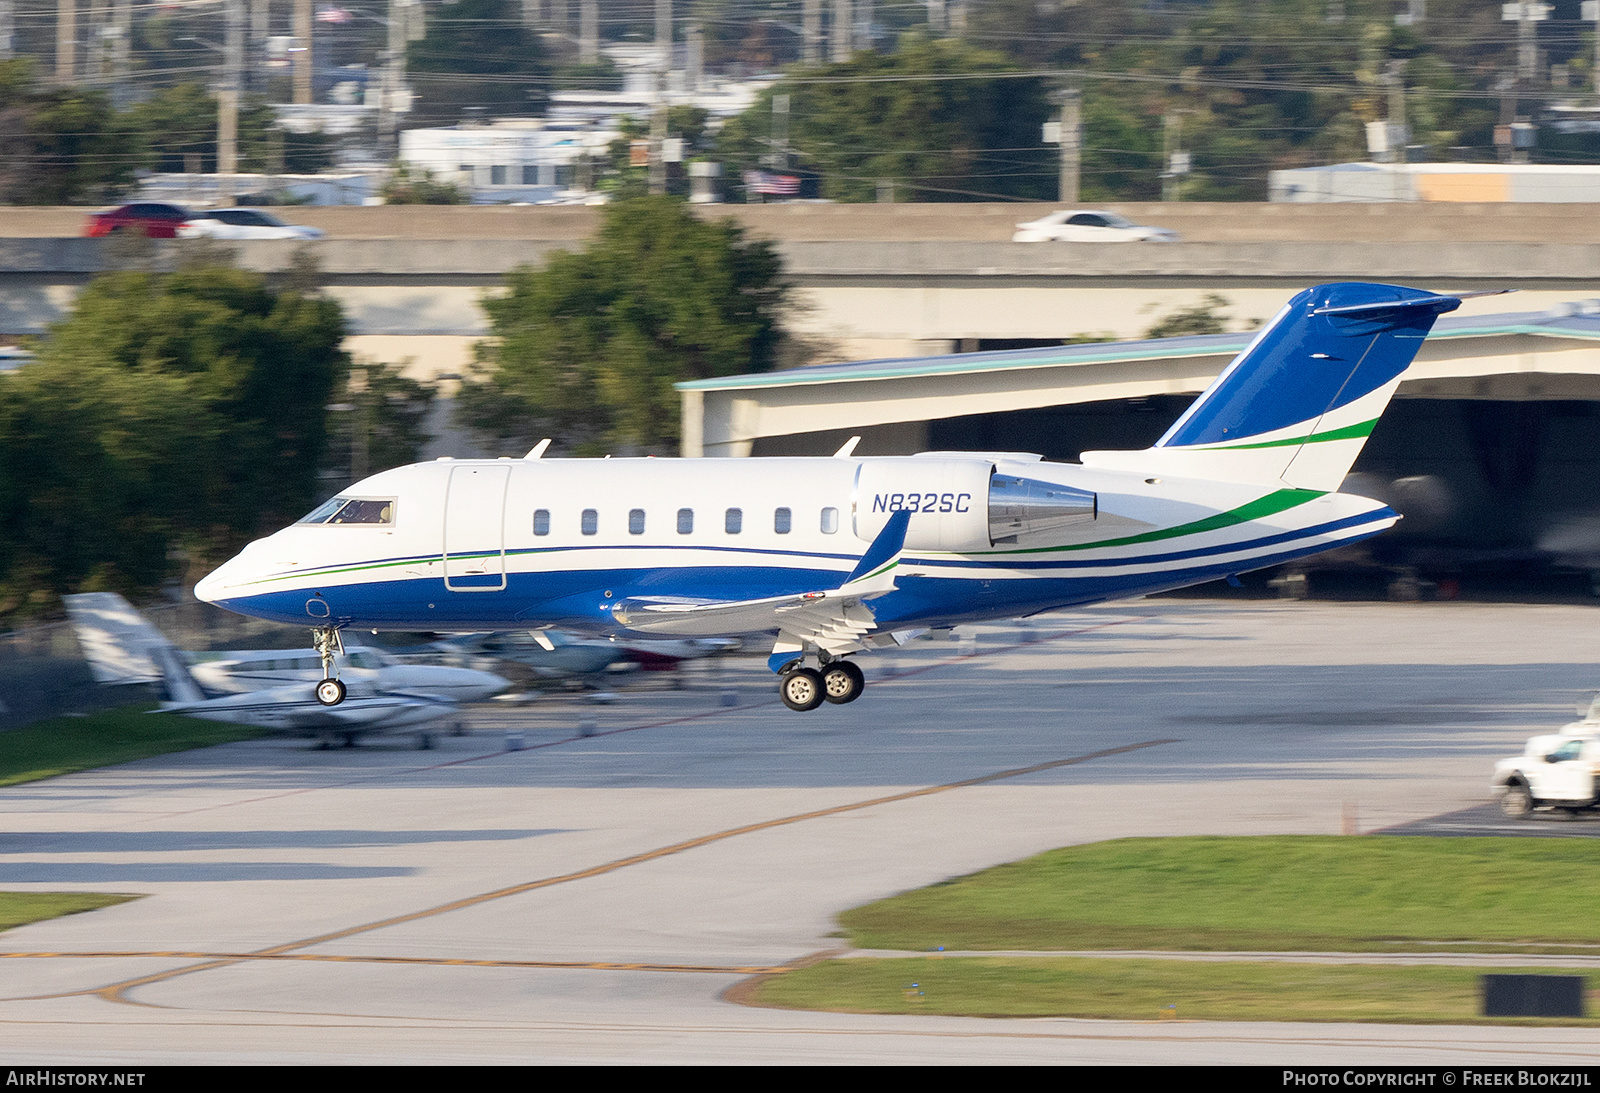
<point x="589" y="898"/>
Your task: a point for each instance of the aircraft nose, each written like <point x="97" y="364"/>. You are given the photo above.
<point x="209" y="587"/>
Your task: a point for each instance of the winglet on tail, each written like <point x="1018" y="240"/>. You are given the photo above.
<point x="875" y="571"/>
<point x="1298" y="404"/>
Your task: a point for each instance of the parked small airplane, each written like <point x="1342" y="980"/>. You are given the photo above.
<point x="122" y="647"/>
<point x="553" y="654"/>
<point x="834" y="556"/>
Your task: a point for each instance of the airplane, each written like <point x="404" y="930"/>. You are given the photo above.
<point x="553" y="654"/>
<point x="834" y="556"/>
<point x="122" y="647"/>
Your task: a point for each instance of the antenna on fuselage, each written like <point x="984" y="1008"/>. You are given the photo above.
<point x="538" y="449"/>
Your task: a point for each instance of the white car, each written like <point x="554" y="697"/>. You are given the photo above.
<point x="1555" y="771"/>
<point x="243" y="224"/>
<point x="1088" y="226"/>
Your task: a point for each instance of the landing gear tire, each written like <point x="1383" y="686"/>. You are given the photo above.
<point x="801" y="689"/>
<point x="843" y="681"/>
<point x="1517" y="803"/>
<point x="330" y="692"/>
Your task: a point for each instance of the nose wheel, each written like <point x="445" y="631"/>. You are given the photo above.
<point x="330" y="692"/>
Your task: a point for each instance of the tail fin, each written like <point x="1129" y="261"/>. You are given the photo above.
<point x="1298" y="404"/>
<point x="122" y="646"/>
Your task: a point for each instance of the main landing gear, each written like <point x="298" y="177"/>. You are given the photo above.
<point x="838" y="682"/>
<point x="330" y="692"/>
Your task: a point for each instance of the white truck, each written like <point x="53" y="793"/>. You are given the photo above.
<point x="1555" y="771"/>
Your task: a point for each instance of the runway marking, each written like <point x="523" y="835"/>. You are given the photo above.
<point x="446" y="961"/>
<point x="116" y="992"/>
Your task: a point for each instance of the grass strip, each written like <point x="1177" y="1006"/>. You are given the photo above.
<point x="21" y="908"/>
<point x="1372" y="893"/>
<point x="63" y="745"/>
<point x="1138" y="990"/>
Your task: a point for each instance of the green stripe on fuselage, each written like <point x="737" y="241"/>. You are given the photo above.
<point x="1275" y="502"/>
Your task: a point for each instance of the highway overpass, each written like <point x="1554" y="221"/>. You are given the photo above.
<point x="874" y="281"/>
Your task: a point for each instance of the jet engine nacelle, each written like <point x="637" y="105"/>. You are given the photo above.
<point x="965" y="504"/>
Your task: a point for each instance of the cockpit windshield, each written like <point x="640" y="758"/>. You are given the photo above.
<point x="352" y="510"/>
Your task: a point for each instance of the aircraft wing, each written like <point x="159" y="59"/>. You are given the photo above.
<point x="833" y="619"/>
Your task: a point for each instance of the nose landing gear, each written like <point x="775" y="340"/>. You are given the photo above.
<point x="330" y="692"/>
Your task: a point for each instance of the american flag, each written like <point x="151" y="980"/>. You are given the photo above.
<point x="765" y="182"/>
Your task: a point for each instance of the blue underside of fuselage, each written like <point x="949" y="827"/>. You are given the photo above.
<point x="581" y="600"/>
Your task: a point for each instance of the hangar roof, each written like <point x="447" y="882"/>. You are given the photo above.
<point x="1572" y="321"/>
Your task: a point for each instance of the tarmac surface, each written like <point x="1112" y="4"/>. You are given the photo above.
<point x="589" y="898"/>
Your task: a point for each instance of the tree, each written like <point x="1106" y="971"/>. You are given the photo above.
<point x="169" y="411"/>
<point x="589" y="347"/>
<point x="181" y="122"/>
<point x="61" y="146"/>
<point x="476" y="53"/>
<point x="415" y="186"/>
<point x="881" y="118"/>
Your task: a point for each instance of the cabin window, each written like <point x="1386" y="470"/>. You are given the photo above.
<point x="541" y="521"/>
<point x="590" y="522"/>
<point x="636" y="521"/>
<point x="830" y="521"/>
<point x="685" y="521"/>
<point x="733" y="522"/>
<point x="782" y="521"/>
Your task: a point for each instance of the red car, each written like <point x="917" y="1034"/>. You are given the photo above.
<point x="153" y="218"/>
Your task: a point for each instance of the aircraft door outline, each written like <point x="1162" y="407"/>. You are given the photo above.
<point x="474" y="544"/>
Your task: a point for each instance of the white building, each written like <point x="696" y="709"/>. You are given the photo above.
<point x="515" y="160"/>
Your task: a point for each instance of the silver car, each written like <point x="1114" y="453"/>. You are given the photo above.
<point x="243" y="224"/>
<point x="1088" y="226"/>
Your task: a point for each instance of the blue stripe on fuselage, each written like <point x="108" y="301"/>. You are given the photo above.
<point x="577" y="600"/>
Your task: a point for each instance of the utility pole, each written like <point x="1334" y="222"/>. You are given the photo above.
<point x="228" y="101"/>
<point x="936" y="17"/>
<point x="588" y="31"/>
<point x="1071" y="141"/>
<point x="260" y="30"/>
<point x="121" y="51"/>
<point x="841" y="31"/>
<point x="1399" y="131"/>
<point x="94" y="62"/>
<point x="66" y="41"/>
<point x="811" y="32"/>
<point x="394" y="62"/>
<point x="658" y="123"/>
<point x="1524" y="13"/>
<point x="1591" y="13"/>
<point x="8" y="29"/>
<point x="302" y="59"/>
<point x="864" y="15"/>
<point x="1177" y="160"/>
<point x="532" y="14"/>
<point x="695" y="49"/>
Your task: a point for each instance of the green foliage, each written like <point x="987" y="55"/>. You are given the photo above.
<point x="64" y="745"/>
<point x="688" y="123"/>
<point x="588" y="348"/>
<point x="935" y="139"/>
<point x="476" y="38"/>
<point x="21" y="908"/>
<point x="169" y="410"/>
<point x="379" y="419"/>
<point x="61" y="146"/>
<point x="180" y="122"/>
<point x="1203" y="318"/>
<point x="1140" y="990"/>
<point x="414" y="186"/>
<point x="1257" y="893"/>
